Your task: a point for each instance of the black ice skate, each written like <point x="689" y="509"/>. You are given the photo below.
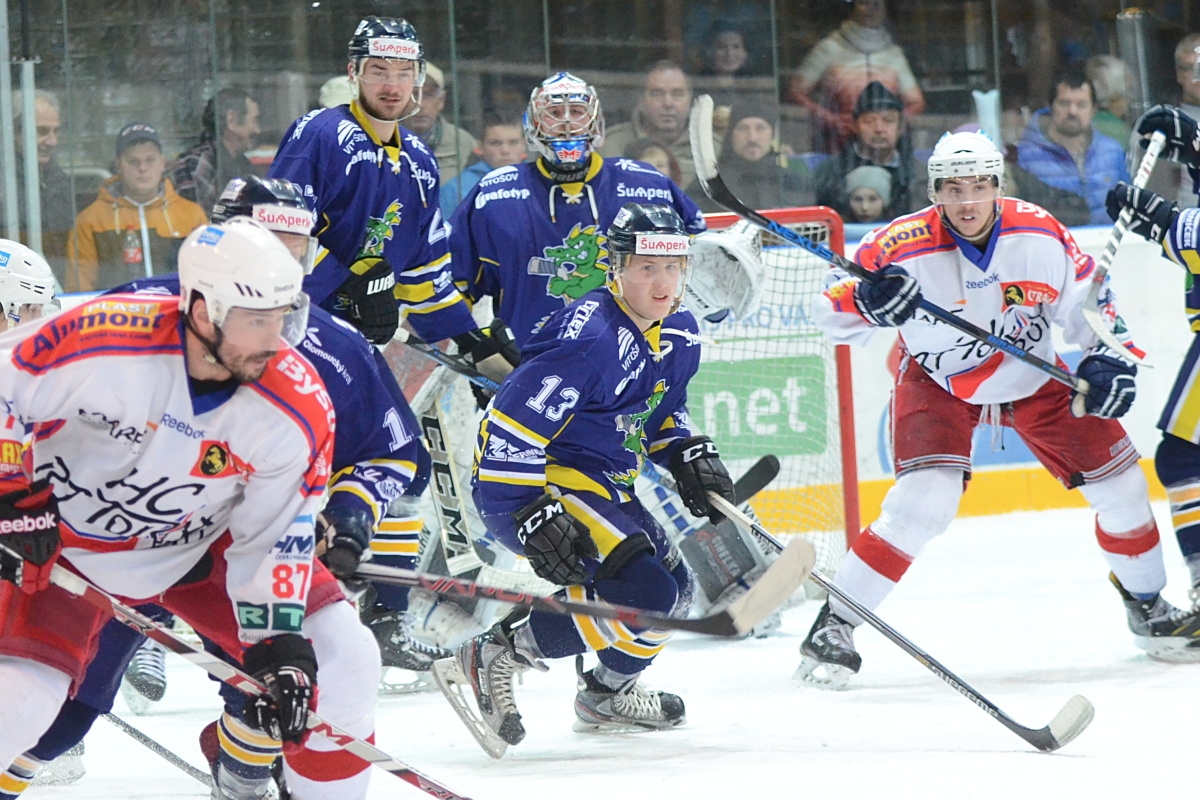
<point x="828" y="657"/>
<point x="400" y="649"/>
<point x="145" y="679"/>
<point x="601" y="709"/>
<point x="1165" y="632"/>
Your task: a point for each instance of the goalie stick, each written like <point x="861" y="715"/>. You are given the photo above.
<point x="769" y="592"/>
<point x="1091" y="306"/>
<point x="1068" y="723"/>
<point x="158" y="749"/>
<point x="704" y="155"/>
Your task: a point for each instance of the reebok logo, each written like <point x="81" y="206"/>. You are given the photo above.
<point x="41" y="522"/>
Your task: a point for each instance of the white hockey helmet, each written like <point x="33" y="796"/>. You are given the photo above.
<point x="26" y="283"/>
<point x="964" y="154"/>
<point x="240" y="263"/>
<point x="554" y="130"/>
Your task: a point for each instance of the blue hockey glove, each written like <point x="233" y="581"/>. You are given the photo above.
<point x="889" y="301"/>
<point x="1151" y="216"/>
<point x="555" y="542"/>
<point x="1111" y="389"/>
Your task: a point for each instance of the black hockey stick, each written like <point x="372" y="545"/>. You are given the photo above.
<point x="158" y="749"/>
<point x="769" y="592"/>
<point x="704" y="155"/>
<point x="1068" y="723"/>
<point x="454" y="363"/>
<point x="754" y="480"/>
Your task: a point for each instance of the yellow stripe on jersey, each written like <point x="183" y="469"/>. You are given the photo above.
<point x="638" y="649"/>
<point x="1183" y="494"/>
<point x="606" y="535"/>
<point x="414" y="292"/>
<point x="514" y="478"/>
<point x="437" y="265"/>
<point x="403" y="548"/>
<point x="1187" y="518"/>
<point x="575" y="481"/>
<point x="517" y="429"/>
<point x="350" y="488"/>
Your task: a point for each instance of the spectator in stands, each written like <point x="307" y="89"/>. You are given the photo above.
<point x="230" y="129"/>
<point x="335" y="92"/>
<point x="1062" y="148"/>
<point x="1111" y="80"/>
<point x="749" y="163"/>
<point x="657" y="156"/>
<point x="661" y="115"/>
<point x="868" y="194"/>
<point x="136" y="226"/>
<point x="57" y="201"/>
<point x="879" y="140"/>
<point x="451" y="145"/>
<point x="502" y="145"/>
<point x="839" y="67"/>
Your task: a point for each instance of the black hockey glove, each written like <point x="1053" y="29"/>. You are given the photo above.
<point x="1111" y="388"/>
<point x="697" y="469"/>
<point x="287" y="665"/>
<point x="346" y="533"/>
<point x="492" y="351"/>
<point x="1152" y="214"/>
<point x="367" y="299"/>
<point x="29" y="532"/>
<point x="891" y="299"/>
<point x="1183" y="134"/>
<point x="555" y="542"/>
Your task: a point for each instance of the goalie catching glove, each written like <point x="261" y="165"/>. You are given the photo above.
<point x="29" y="532"/>
<point x="367" y="298"/>
<point x="287" y="666"/>
<point x="555" y="542"/>
<point x="697" y="469"/>
<point x="890" y="300"/>
<point x="727" y="273"/>
<point x="1111" y="389"/>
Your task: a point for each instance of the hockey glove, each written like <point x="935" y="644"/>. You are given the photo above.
<point x="367" y="299"/>
<point x="555" y="542"/>
<point x="891" y="299"/>
<point x="697" y="469"/>
<point x="1183" y="134"/>
<point x="343" y="535"/>
<point x="1151" y="216"/>
<point x="29" y="532"/>
<point x="1111" y="388"/>
<point x="492" y="351"/>
<point x="287" y="665"/>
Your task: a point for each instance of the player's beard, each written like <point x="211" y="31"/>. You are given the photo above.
<point x="376" y="112"/>
<point x="246" y="368"/>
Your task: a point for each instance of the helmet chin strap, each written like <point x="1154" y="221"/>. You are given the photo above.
<point x="212" y="348"/>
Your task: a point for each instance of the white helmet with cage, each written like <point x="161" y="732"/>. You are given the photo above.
<point x="27" y="283"/>
<point x="564" y="123"/>
<point x="964" y="154"/>
<point x="240" y="263"/>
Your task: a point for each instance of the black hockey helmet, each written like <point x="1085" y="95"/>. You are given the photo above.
<point x="647" y="230"/>
<point x="279" y="205"/>
<point x="386" y="37"/>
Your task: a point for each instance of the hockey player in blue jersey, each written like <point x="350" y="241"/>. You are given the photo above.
<point x="602" y="385"/>
<point x="532" y="236"/>
<point x="374" y="187"/>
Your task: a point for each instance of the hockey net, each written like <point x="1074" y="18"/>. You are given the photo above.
<point x="774" y="384"/>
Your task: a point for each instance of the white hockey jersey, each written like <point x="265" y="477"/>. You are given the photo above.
<point x="1030" y="274"/>
<point x="147" y="476"/>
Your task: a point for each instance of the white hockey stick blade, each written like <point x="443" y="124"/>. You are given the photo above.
<point x="704" y="154"/>
<point x="771" y="591"/>
<point x="1071" y="721"/>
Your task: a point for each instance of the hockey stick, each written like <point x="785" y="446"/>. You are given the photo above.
<point x="1068" y="723"/>
<point x="1091" y="306"/>
<point x="769" y="592"/>
<point x="158" y="749"/>
<point x="451" y="362"/>
<point x="704" y="155"/>
<point x="80" y="586"/>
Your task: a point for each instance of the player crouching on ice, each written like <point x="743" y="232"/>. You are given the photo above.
<point x="603" y="384"/>
<point x="1009" y="267"/>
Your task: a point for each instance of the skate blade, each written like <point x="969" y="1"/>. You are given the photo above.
<point x="62" y="771"/>
<point x="391" y="683"/>
<point x="453" y="683"/>
<point x="138" y="703"/>
<point x="606" y="727"/>
<point x="1170" y="649"/>
<point x="819" y="675"/>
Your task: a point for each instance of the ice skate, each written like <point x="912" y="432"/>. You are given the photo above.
<point x="145" y="680"/>
<point x="63" y="770"/>
<point x="486" y="665"/>
<point x="1165" y="632"/>
<point x="828" y="657"/>
<point x="629" y="709"/>
<point x="406" y="659"/>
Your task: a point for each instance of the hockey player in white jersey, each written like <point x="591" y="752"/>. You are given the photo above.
<point x="182" y="447"/>
<point x="1009" y="267"/>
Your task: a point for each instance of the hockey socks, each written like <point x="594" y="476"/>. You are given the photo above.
<point x="396" y="543"/>
<point x="19" y="775"/>
<point x="240" y="756"/>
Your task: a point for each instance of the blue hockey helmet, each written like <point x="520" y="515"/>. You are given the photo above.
<point x="646" y="230"/>
<point x="276" y="203"/>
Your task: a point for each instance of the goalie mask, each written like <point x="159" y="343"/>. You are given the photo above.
<point x="26" y="284"/>
<point x="563" y="123"/>
<point x="640" y="231"/>
<point x="276" y="203"/>
<point x="727" y="273"/>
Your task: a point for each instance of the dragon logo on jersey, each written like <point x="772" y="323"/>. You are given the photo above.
<point x="633" y="426"/>
<point x="379" y="230"/>
<point x="575" y="267"/>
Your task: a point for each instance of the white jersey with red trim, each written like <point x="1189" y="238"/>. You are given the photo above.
<point x="1029" y="273"/>
<point x="148" y="474"/>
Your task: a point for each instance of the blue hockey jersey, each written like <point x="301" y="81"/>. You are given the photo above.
<point x="375" y="442"/>
<point x="592" y="396"/>
<point x="374" y="199"/>
<point x="534" y="246"/>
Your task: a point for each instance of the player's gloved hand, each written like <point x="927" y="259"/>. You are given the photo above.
<point x="343" y="535"/>
<point x="891" y="299"/>
<point x="287" y="665"/>
<point x="697" y="469"/>
<point x="555" y="542"/>
<point x="1183" y="134"/>
<point x="1111" y="388"/>
<point x="367" y="299"/>
<point x="492" y="351"/>
<point x="1152" y="214"/>
<point x="29" y="528"/>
